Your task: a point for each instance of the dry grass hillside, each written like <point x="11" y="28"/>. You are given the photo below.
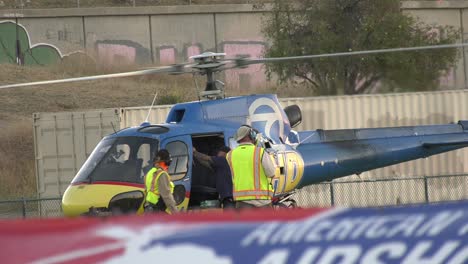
<point x="134" y="91"/>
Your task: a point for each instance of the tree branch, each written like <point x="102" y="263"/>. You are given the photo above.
<point x="371" y="81"/>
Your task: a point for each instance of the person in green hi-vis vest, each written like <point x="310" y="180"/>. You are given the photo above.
<point x="251" y="170"/>
<point x="159" y="187"/>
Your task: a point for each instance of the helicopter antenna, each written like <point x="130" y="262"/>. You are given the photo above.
<point x="302" y="141"/>
<point x="151" y="107"/>
<point x="112" y="124"/>
<point x="196" y="86"/>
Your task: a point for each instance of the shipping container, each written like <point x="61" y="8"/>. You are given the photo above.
<point x="63" y="141"/>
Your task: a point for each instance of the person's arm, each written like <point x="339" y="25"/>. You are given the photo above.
<point x="165" y="192"/>
<point x="268" y="167"/>
<point x="204" y="159"/>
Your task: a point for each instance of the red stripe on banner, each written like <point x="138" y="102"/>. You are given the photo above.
<point x="77" y="240"/>
<point x="138" y="185"/>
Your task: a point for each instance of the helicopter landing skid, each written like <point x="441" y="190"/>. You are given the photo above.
<point x="285" y="202"/>
<point x="98" y="211"/>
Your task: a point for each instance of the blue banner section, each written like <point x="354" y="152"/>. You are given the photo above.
<point x="411" y="234"/>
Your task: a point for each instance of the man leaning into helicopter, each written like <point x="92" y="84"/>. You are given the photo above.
<point x="159" y="185"/>
<point x="222" y="172"/>
<point x="251" y="182"/>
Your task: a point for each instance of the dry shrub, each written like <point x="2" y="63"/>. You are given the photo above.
<point x="17" y="177"/>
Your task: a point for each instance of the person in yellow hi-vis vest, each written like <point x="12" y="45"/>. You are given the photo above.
<point x="251" y="169"/>
<point x="159" y="187"/>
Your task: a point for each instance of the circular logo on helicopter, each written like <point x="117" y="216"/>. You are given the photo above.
<point x="260" y="111"/>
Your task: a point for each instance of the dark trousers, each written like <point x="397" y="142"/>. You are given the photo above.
<point x="228" y="203"/>
<point x="159" y="207"/>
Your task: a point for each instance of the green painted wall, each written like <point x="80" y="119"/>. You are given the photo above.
<point x="15" y="47"/>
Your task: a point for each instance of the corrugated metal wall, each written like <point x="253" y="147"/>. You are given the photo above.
<point x="134" y="116"/>
<point x="381" y="110"/>
<point x="404" y="109"/>
<point x="387" y="110"/>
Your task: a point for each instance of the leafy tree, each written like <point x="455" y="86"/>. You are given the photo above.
<point x="307" y="27"/>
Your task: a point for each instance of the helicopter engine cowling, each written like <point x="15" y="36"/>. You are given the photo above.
<point x="294" y="115"/>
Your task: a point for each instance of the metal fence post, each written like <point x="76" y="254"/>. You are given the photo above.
<point x="332" y="194"/>
<point x="426" y="189"/>
<point x="24" y="207"/>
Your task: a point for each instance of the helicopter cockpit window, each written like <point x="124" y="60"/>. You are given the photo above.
<point x="124" y="159"/>
<point x="179" y="165"/>
<point x="144" y="153"/>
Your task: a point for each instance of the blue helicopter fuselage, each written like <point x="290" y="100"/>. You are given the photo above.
<point x="302" y="158"/>
<point x="326" y="155"/>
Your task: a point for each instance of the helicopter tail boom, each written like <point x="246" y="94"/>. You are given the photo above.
<point x="463" y="143"/>
<point x="337" y="153"/>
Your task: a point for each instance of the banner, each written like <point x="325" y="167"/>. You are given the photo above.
<point x="436" y="233"/>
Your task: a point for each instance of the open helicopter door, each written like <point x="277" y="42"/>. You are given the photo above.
<point x="180" y="148"/>
<point x="195" y="183"/>
<point x="204" y="193"/>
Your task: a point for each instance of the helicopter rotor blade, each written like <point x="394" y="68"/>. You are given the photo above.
<point x="163" y="69"/>
<point x="243" y="62"/>
<point x="207" y="67"/>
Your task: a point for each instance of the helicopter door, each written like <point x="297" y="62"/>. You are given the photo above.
<point x="204" y="178"/>
<point x="180" y="149"/>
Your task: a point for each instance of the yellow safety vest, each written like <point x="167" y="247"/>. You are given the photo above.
<point x="152" y="185"/>
<point x="248" y="177"/>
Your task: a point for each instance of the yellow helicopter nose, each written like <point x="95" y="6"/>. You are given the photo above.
<point x="78" y="199"/>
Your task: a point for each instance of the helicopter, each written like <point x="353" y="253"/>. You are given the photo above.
<point x="111" y="181"/>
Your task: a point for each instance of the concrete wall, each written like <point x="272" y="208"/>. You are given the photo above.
<point x="164" y="35"/>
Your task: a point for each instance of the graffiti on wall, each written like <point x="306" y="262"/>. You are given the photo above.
<point x="121" y="52"/>
<point x="167" y="54"/>
<point x="16" y="47"/>
<point x="252" y="76"/>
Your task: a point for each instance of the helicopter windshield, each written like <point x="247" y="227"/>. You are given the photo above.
<point x="124" y="159"/>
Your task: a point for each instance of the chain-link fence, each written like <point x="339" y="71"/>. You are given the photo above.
<point x="27" y="4"/>
<point x="363" y="193"/>
<point x="31" y="208"/>
<point x="382" y="192"/>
